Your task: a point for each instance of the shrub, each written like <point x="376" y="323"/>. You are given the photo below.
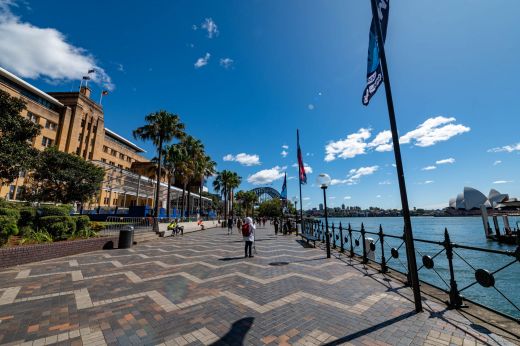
<point x="59" y="227"/>
<point x="82" y="222"/>
<point x="97" y="226"/>
<point x="9" y="212"/>
<point x="7" y="228"/>
<point x="31" y="237"/>
<point x="27" y="217"/>
<point x="54" y="210"/>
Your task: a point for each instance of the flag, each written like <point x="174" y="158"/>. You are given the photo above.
<point x="374" y="72"/>
<point x="91" y="71"/>
<point x="301" y="167"/>
<point x="283" y="194"/>
<point x="86" y="78"/>
<point x="104" y="92"/>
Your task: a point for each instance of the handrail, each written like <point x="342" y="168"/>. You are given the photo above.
<point x="483" y="277"/>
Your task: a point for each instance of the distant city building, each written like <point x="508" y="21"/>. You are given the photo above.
<point x="343" y="206"/>
<point x="321" y="206"/>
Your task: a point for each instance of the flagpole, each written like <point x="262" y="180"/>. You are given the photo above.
<point x="300" y="181"/>
<point x="408" y="234"/>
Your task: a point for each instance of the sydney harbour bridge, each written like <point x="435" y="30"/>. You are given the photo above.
<point x="266" y="193"/>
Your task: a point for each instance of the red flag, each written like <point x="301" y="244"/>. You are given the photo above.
<point x="301" y="167"/>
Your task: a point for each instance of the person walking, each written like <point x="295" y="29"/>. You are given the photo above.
<point x="230" y="225"/>
<point x="239" y="224"/>
<point x="248" y="233"/>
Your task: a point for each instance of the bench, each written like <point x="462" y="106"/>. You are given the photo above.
<point x="309" y="237"/>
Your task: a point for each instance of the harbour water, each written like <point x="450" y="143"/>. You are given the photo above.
<point x="463" y="230"/>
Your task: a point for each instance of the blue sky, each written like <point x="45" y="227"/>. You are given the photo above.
<point x="243" y="75"/>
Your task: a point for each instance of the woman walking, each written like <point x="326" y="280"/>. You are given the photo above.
<point x="248" y="232"/>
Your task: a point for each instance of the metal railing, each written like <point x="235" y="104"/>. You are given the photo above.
<point x="445" y="265"/>
<point x="114" y="224"/>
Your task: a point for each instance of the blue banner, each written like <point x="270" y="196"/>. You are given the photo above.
<point x="374" y="72"/>
<point x="284" y="187"/>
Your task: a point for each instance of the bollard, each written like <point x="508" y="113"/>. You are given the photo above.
<point x="455" y="298"/>
<point x="341" y="236"/>
<point x="365" y="259"/>
<point x="350" y="236"/>
<point x="384" y="267"/>
<point x="333" y="237"/>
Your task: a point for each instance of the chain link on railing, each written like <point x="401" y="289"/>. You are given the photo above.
<point x="483" y="277"/>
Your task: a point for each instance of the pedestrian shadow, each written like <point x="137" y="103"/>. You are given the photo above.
<point x="231" y="258"/>
<point x="237" y="333"/>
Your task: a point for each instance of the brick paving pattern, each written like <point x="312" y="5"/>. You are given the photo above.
<point x="199" y="290"/>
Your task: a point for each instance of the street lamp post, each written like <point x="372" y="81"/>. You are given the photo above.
<point x="324" y="182"/>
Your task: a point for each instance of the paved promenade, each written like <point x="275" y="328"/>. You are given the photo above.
<point x="199" y="290"/>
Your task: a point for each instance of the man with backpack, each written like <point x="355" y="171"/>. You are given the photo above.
<point x="248" y="232"/>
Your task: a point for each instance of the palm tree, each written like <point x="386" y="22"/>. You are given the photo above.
<point x="233" y="184"/>
<point x="161" y="127"/>
<point x="172" y="156"/>
<point x="224" y="184"/>
<point x="204" y="167"/>
<point x="195" y="151"/>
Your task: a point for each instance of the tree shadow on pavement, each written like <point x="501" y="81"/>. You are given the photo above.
<point x="237" y="333"/>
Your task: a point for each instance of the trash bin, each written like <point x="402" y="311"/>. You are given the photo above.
<point x="126" y="237"/>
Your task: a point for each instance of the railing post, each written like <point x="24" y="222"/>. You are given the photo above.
<point x="455" y="298"/>
<point x="341" y="236"/>
<point x="333" y="237"/>
<point x="365" y="259"/>
<point x="323" y="232"/>
<point x="408" y="274"/>
<point x="384" y="268"/>
<point x="350" y="236"/>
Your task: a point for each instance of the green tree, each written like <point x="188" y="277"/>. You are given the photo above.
<point x="195" y="150"/>
<point x="247" y="199"/>
<point x="270" y="208"/>
<point x="161" y="128"/>
<point x="173" y="155"/>
<point x="16" y="132"/>
<point x="64" y="178"/>
<point x="204" y="168"/>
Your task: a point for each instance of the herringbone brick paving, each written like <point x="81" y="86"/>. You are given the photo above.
<point x="199" y="290"/>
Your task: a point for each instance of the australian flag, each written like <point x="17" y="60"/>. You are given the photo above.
<point x="284" y="188"/>
<point x="374" y="72"/>
<point x="301" y="167"/>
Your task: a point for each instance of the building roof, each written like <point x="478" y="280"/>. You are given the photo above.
<point x="124" y="140"/>
<point x="24" y="84"/>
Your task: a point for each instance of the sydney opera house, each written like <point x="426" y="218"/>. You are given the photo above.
<point x="471" y="199"/>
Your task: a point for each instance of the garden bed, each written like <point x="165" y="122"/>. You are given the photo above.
<point x="13" y="256"/>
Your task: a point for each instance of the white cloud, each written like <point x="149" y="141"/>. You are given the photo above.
<point x="502" y="181"/>
<point x="347" y="197"/>
<point x="445" y="161"/>
<point x="120" y="68"/>
<point x="429" y="182"/>
<point x="428" y="168"/>
<point x="211" y="27"/>
<point x="284" y="153"/>
<point x="382" y="142"/>
<point x="349" y="147"/>
<point x="432" y="131"/>
<point x="378" y="196"/>
<point x="33" y="52"/>
<point x="266" y="176"/>
<point x="332" y="197"/>
<point x="308" y="169"/>
<point x="310" y="106"/>
<point x="386" y="182"/>
<point x="202" y="61"/>
<point x="497" y="162"/>
<point x="306" y="198"/>
<point x="226" y="62"/>
<point x="506" y="148"/>
<point x="291" y="178"/>
<point x="243" y="158"/>
<point x="194" y="27"/>
<point x="354" y="175"/>
<point x="285" y="146"/>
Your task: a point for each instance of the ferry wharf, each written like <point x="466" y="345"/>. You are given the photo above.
<point x="198" y="289"/>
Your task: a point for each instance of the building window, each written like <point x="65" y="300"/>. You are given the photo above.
<point x="90" y="156"/>
<point x="105" y="149"/>
<point x="103" y="160"/>
<point x="106" y="200"/>
<point x="112" y="163"/>
<point x="33" y="117"/>
<point x="121" y="156"/>
<point x="46" y="142"/>
<point x="113" y="152"/>
<point x="78" y="150"/>
<point x="80" y="137"/>
<point x="50" y="125"/>
<point x="20" y="192"/>
<point x="115" y="201"/>
<point x="120" y="166"/>
<point x="11" y="192"/>
<point x="83" y="123"/>
<point x="92" y="141"/>
<point x="129" y="159"/>
<point x="94" y="129"/>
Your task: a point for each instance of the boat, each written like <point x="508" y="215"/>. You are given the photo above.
<point x="507" y="235"/>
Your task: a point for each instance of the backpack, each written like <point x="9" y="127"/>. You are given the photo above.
<point x="245" y="230"/>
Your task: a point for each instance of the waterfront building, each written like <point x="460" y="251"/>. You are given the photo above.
<point x="321" y="206"/>
<point x="75" y="124"/>
<point x="473" y="199"/>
